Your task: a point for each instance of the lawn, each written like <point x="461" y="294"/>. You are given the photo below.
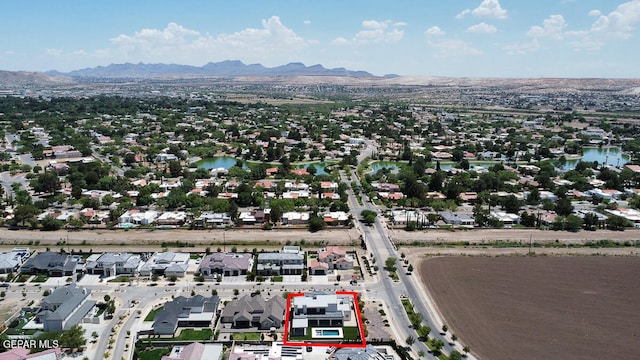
<point x="40" y="278"/>
<point x="195" y="335"/>
<point x="155" y="354"/>
<point x="277" y="279"/>
<point x="246" y="336"/>
<point x="152" y="314"/>
<point x="120" y="279"/>
<point x="408" y="307"/>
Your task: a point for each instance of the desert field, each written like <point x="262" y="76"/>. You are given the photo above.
<point x="544" y="307"/>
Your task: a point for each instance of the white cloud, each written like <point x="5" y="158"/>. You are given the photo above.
<point x="463" y="13"/>
<point x="307" y="22"/>
<point x="340" y="41"/>
<point x="552" y="27"/>
<point x="523" y="48"/>
<point x="376" y="25"/>
<point x="482" y="28"/>
<point x="173" y="34"/>
<point x="375" y="32"/>
<point x="434" y="31"/>
<point x="595" y="12"/>
<point x="453" y="48"/>
<point x="400" y="23"/>
<point x="487" y="9"/>
<point x="271" y="44"/>
<point x="617" y="25"/>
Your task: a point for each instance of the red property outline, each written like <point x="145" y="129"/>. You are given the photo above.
<point x="313" y="343"/>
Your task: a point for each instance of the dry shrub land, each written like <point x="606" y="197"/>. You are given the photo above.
<point x="539" y="307"/>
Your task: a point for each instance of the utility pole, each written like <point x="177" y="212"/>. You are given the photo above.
<point x="530" y="242"/>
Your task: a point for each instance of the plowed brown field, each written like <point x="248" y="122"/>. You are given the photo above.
<point x="540" y="307"/>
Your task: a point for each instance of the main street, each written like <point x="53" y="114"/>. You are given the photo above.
<point x="379" y="244"/>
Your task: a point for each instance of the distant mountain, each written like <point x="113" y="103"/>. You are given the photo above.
<point x="12" y="78"/>
<point x="223" y="68"/>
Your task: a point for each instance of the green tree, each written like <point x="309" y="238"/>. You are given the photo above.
<point x="73" y="338"/>
<point x="390" y="264"/>
<point x="50" y="223"/>
<point x="316" y="223"/>
<point x="455" y="355"/>
<point x="410" y="340"/>
<point x="416" y="319"/>
<point x="47" y="182"/>
<point x="368" y="216"/>
<point x="424" y="331"/>
<point x="563" y="207"/>
<point x="617" y="223"/>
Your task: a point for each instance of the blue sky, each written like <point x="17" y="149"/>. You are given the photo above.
<point x="479" y="38"/>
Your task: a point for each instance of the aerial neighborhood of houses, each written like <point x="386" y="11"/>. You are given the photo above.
<point x="175" y="169"/>
<point x="313" y="318"/>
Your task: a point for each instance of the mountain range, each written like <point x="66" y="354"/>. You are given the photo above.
<point x="229" y="68"/>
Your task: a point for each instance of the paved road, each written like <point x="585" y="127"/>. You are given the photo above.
<point x="380" y="245"/>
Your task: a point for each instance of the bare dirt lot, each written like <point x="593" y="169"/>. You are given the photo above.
<point x="545" y="307"/>
<point x="483" y="236"/>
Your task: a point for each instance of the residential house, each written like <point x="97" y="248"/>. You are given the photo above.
<point x="295" y="218"/>
<point x="172" y="218"/>
<point x="226" y="264"/>
<point x="166" y="263"/>
<point x="253" y="311"/>
<point x="197" y="311"/>
<point x="319" y="309"/>
<point x="11" y="261"/>
<point x="367" y="353"/>
<point x="336" y="258"/>
<point x="195" y="351"/>
<point x="632" y="215"/>
<point x="335" y="218"/>
<point x="213" y="219"/>
<point x="65" y="307"/>
<point x="457" y="219"/>
<point x="112" y="264"/>
<point x="136" y="217"/>
<point x="318" y="268"/>
<point x="284" y="262"/>
<point x="506" y="218"/>
<point x="52" y="263"/>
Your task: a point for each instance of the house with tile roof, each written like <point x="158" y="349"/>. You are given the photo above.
<point x="166" y="263"/>
<point x="335" y="258"/>
<point x="52" y="263"/>
<point x="226" y="264"/>
<point x="112" y="264"/>
<point x="65" y="307"/>
<point x="254" y="311"/>
<point x="197" y="311"/>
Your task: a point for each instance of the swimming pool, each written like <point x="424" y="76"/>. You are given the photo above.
<point x="331" y="333"/>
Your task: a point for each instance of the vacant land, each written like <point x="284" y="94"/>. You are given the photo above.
<point x="539" y="307"/>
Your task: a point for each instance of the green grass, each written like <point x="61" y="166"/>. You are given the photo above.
<point x="350" y="332"/>
<point x="195" y="335"/>
<point x="40" y="278"/>
<point x="152" y="314"/>
<point x="277" y="279"/>
<point x="408" y="307"/>
<point x="120" y="279"/>
<point x="246" y="336"/>
<point x="23" y="277"/>
<point x="155" y="354"/>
